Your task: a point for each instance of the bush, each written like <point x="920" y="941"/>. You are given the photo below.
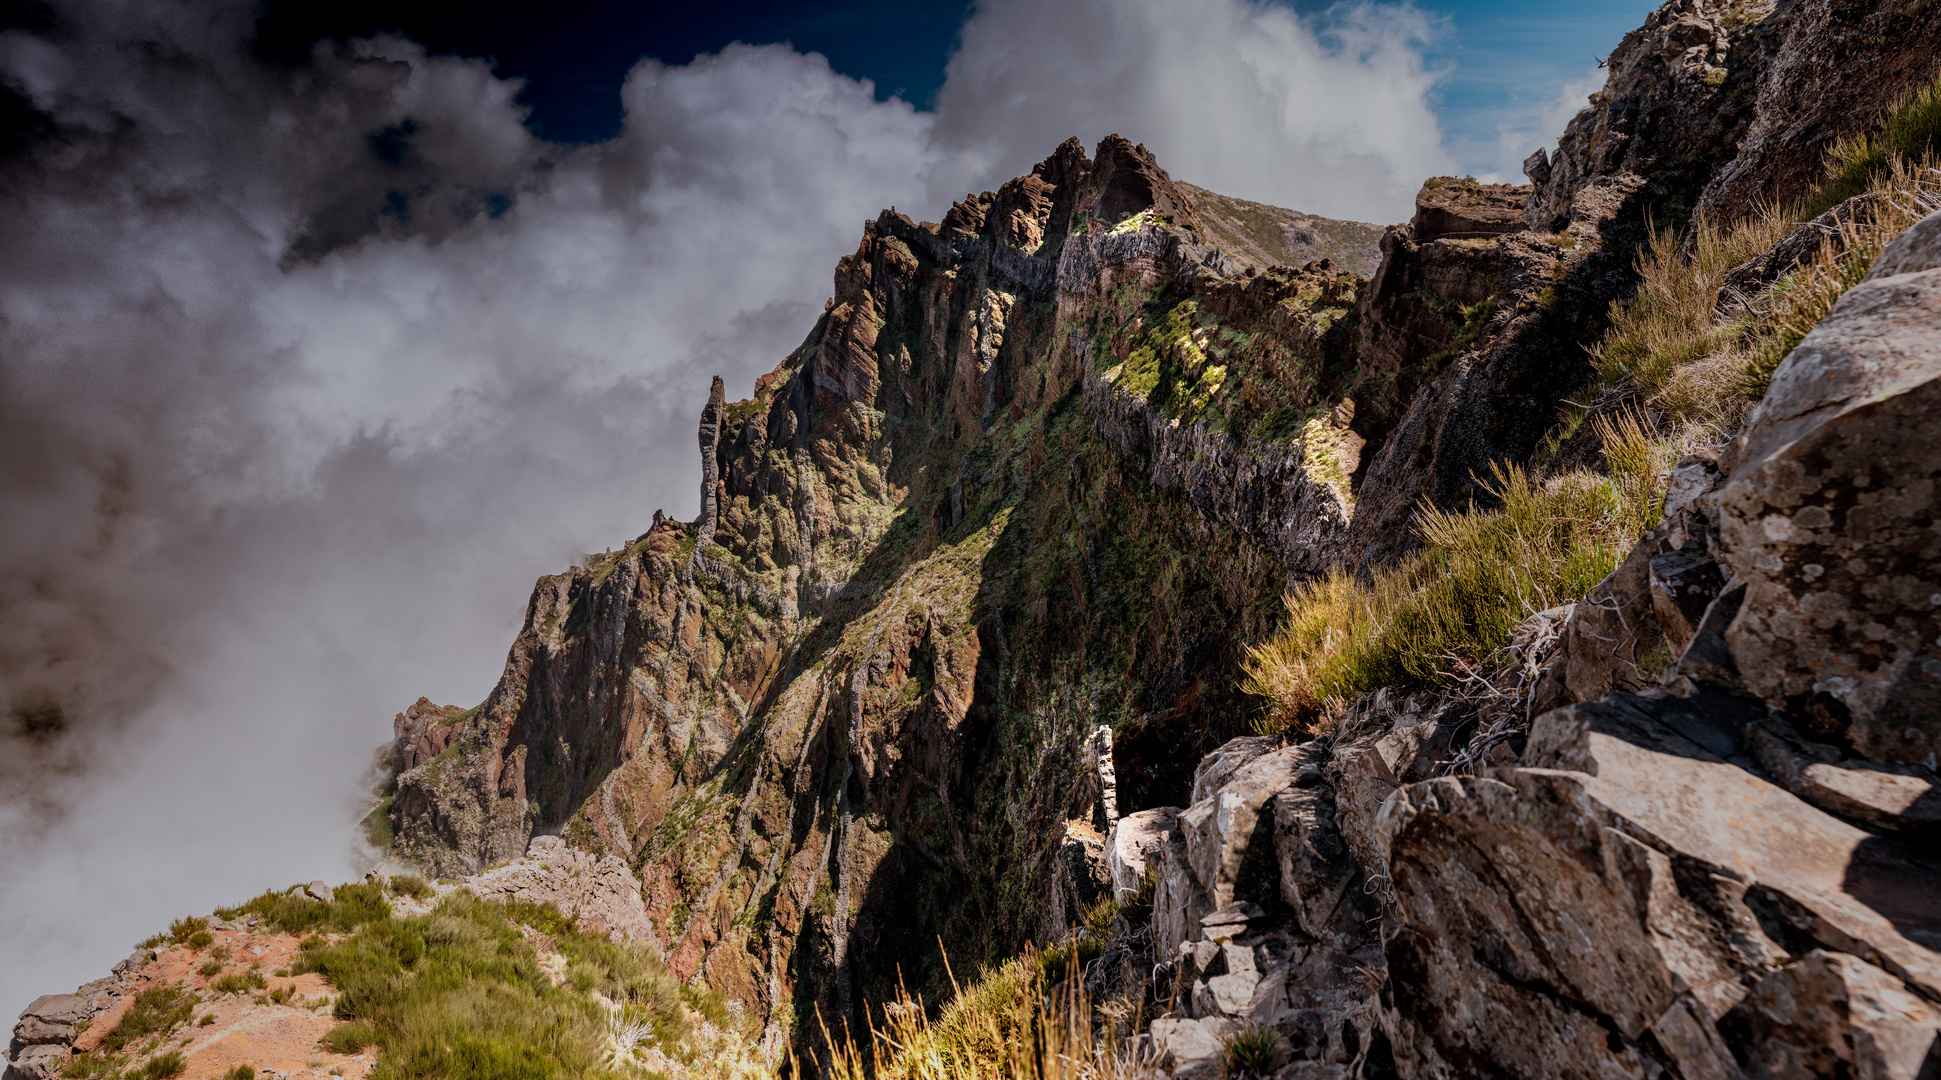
<point x="1253" y="1052"/>
<point x="240" y="1072"/>
<point x="162" y="1067"/>
<point x="181" y="930"/>
<point x="210" y="970"/>
<point x="239" y="982"/>
<point x="348" y="1038"/>
<point x="294" y="913"/>
<point x="410" y="885"/>
<point x="157" y="1010"/>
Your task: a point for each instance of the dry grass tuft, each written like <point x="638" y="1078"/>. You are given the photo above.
<point x="1479" y="574"/>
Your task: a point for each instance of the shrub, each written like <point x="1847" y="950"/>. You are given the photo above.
<point x="162" y="1067"/>
<point x="348" y="1038"/>
<point x="86" y="1066"/>
<point x="181" y="930"/>
<point x="200" y="940"/>
<point x="157" y="1010"/>
<point x="1252" y="1052"/>
<point x="240" y="1072"/>
<point x="294" y="913"/>
<point x="1668" y="340"/>
<point x="410" y="885"/>
<point x="239" y="982"/>
<point x="211" y="969"/>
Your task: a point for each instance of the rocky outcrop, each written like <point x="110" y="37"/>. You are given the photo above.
<point x="46" y="1033"/>
<point x="598" y="892"/>
<point x="1829" y="517"/>
<point x="1460" y="208"/>
<point x="1045" y="467"/>
<point x="1723" y="105"/>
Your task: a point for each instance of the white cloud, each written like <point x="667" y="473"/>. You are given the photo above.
<point x="305" y="376"/>
<point x="1329" y="116"/>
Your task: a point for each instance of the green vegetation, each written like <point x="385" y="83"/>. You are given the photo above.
<point x="410" y="885"/>
<point x="461" y="992"/>
<point x="1252" y="1052"/>
<point x="240" y="1072"/>
<point x="295" y="913"/>
<point x="240" y="982"/>
<point x="378" y="830"/>
<point x="1484" y="570"/>
<point x="182" y="930"/>
<point x="1479" y="573"/>
<point x="162" y="1067"/>
<point x="156" y="1011"/>
<point x="349" y="1038"/>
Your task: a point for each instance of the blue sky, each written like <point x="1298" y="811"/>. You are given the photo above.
<point x="1505" y="61"/>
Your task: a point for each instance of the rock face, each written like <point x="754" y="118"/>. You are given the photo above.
<point x="1047" y="466"/>
<point x="49" y="1027"/>
<point x="1725" y="104"/>
<point x="599" y="891"/>
<point x="1058" y="439"/>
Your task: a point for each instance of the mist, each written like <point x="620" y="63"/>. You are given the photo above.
<point x="305" y="375"/>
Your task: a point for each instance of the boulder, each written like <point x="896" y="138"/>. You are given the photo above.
<point x="1830" y="512"/>
<point x="1188" y="1046"/>
<point x="39" y="1062"/>
<point x="1130" y="850"/>
<point x="1229" y="833"/>
<point x="1883" y="794"/>
<point x="1216" y="768"/>
<point x="318" y="890"/>
<point x="1610" y="904"/>
<point x="1319" y="882"/>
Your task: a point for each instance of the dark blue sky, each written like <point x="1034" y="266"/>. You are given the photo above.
<point x="1503" y="58"/>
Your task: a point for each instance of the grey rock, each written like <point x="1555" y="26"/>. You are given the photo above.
<point x="1129" y="850"/>
<point x="1831" y="1015"/>
<point x="1684" y="582"/>
<point x="1230" y="831"/>
<point x="41" y="1062"/>
<point x="1216" y="768"/>
<point x="318" y="890"/>
<point x="1890" y="795"/>
<point x="1187" y="1042"/>
<point x="1647" y="762"/>
<point x="1318" y="879"/>
<point x="1827" y="518"/>
<point x="1178" y="900"/>
<point x="1537" y="166"/>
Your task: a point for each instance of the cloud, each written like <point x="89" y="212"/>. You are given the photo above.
<point x="306" y="374"/>
<point x="1327" y="114"/>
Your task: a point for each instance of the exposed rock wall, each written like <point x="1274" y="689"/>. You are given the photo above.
<point x="1047" y="466"/>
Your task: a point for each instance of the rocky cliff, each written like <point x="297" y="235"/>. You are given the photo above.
<point x="953" y="651"/>
<point x="1019" y="501"/>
